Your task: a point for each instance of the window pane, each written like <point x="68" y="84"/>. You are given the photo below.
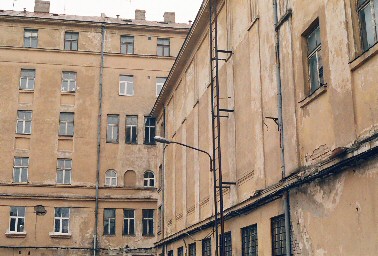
<point x="65" y="224"/>
<point x="67" y="177"/>
<point x="20" y="225"/>
<point x="12" y="224"/>
<point x="314" y="75"/>
<point x="367" y="27"/>
<point x="313" y="40"/>
<point x="24" y="175"/>
<point x="57" y="225"/>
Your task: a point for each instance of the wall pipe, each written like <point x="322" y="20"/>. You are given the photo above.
<point x="286" y="197"/>
<point x="95" y="238"/>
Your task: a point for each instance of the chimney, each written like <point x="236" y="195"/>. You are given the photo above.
<point x="140" y="14"/>
<point x="42" y="6"/>
<point x="169" y="17"/>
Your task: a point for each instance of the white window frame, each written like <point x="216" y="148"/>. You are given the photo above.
<point x="109" y="179"/>
<point x="114" y="130"/>
<point x="131" y="126"/>
<point x="17" y="219"/>
<point x="71" y="82"/>
<point x="33" y="35"/>
<point x="66" y="170"/>
<point x="109" y="221"/>
<point x="21" y="168"/>
<point x="21" y="118"/>
<point x="149" y="180"/>
<point x="126" y="84"/>
<point x="127" y="220"/>
<point x="30" y="80"/>
<point x="61" y="218"/>
<point x="66" y="124"/>
<point x="159" y="85"/>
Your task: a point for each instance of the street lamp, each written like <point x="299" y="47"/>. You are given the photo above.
<point x="167" y="141"/>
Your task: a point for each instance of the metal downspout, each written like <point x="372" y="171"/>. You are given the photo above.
<point x="163" y="184"/>
<point x="95" y="240"/>
<point x="286" y="202"/>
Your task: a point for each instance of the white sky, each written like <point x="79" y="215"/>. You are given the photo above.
<point x="185" y="9"/>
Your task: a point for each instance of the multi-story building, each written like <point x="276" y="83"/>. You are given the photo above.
<point x="77" y="151"/>
<point x="298" y="95"/>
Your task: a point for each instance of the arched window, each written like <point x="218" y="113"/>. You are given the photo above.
<point x="149" y="179"/>
<point x="111" y="178"/>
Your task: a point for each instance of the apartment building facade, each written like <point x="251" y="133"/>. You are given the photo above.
<point x="299" y="128"/>
<point x="78" y="157"/>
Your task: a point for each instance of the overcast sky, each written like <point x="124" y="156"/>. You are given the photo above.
<point x="185" y="9"/>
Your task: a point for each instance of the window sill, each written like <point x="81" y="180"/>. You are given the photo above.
<point x="26" y="91"/>
<point x="20" y="183"/>
<point x="65" y="137"/>
<point x="15" y="234"/>
<point x="363" y="57"/>
<point x="68" y="93"/>
<point x="124" y="235"/>
<point x="60" y="235"/>
<point x="149" y="144"/>
<point x="321" y="90"/>
<point x="148" y="235"/>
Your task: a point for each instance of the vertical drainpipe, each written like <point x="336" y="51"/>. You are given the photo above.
<point x="286" y="201"/>
<point x="163" y="183"/>
<point x="95" y="239"/>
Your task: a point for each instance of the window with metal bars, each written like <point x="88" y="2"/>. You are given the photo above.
<point x="192" y="249"/>
<point x="278" y="236"/>
<point x="227" y="243"/>
<point x="180" y="251"/>
<point x="128" y="222"/>
<point x="109" y="221"/>
<point x="24" y="122"/>
<point x="112" y="129"/>
<point x="368" y="16"/>
<point x="71" y="40"/>
<point x="148" y="222"/>
<point x="206" y="247"/>
<point x="249" y="241"/>
<point x="127" y="44"/>
<point x="30" y="38"/>
<point x="27" y="79"/>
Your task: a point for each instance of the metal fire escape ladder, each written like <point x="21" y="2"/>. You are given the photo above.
<point x="216" y="125"/>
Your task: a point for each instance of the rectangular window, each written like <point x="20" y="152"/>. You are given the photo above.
<point x="30" y="38"/>
<point x="127" y="44"/>
<point x="112" y="129"/>
<point x="148" y="222"/>
<point x="249" y="241"/>
<point x="149" y="130"/>
<point x="192" y="249"/>
<point x="131" y="129"/>
<point x="278" y="236"/>
<point x="159" y="84"/>
<point x="17" y="219"/>
<point x="126" y="85"/>
<point x="27" y="79"/>
<point x="227" y="243"/>
<point x="180" y="251"/>
<point x="206" y="247"/>
<point x="129" y="222"/>
<point x="368" y="16"/>
<point x="68" y="81"/>
<point x="170" y="253"/>
<point x="63" y="171"/>
<point x="71" y="40"/>
<point x="24" y="122"/>
<point x="314" y="58"/>
<point x="163" y="47"/>
<point x="20" y="169"/>
<point x="66" y="124"/>
<point x="160" y="219"/>
<point x="62" y="220"/>
<point x="109" y="221"/>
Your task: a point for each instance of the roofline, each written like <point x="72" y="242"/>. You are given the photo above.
<point x="94" y="23"/>
<point x="174" y="74"/>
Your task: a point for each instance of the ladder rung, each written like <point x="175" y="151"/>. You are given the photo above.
<point x="226" y="110"/>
